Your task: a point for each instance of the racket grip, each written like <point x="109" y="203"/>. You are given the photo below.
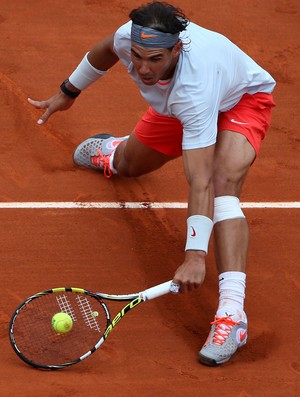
<point x="159" y="290"/>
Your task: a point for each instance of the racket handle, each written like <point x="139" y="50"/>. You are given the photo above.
<point x="159" y="290"/>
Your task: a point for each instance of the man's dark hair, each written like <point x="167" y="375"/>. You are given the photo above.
<point x="160" y="16"/>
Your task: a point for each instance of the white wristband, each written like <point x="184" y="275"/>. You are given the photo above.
<point x="199" y="229"/>
<point x="85" y="74"/>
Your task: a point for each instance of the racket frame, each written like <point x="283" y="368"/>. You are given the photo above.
<point x="134" y="299"/>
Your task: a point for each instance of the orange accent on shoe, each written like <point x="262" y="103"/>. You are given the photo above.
<point x="102" y="161"/>
<point x="243" y="335"/>
<point x="223" y="328"/>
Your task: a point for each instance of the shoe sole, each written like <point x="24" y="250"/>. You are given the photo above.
<point x="211" y="362"/>
<point x="208" y="361"/>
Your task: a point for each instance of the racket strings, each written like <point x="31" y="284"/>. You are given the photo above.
<point x="89" y="316"/>
<point x="65" y="306"/>
<point x="38" y="342"/>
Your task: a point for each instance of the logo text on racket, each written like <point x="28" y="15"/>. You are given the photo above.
<point x="121" y="314"/>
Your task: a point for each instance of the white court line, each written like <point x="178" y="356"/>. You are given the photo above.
<point x="133" y="205"/>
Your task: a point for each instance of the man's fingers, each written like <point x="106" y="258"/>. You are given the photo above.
<point x="41" y="121"/>
<point x="56" y="103"/>
<point x="186" y="285"/>
<point x="44" y="117"/>
<point x="41" y="105"/>
<point x="38" y="104"/>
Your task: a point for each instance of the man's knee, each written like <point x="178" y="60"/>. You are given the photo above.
<point x="227" y="207"/>
<point x="228" y="183"/>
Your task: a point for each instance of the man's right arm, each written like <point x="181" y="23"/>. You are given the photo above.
<point x="101" y="58"/>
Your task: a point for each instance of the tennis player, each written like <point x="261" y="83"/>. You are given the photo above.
<point x="210" y="103"/>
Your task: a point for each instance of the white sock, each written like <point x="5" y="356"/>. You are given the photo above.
<point x="232" y="287"/>
<point x="112" y="156"/>
<point x="111" y="163"/>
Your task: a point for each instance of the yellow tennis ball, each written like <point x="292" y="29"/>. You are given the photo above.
<point x="62" y="323"/>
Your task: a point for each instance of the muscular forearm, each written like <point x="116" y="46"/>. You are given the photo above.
<point x="102" y="56"/>
<point x="199" y="174"/>
<point x="94" y="64"/>
<point x="198" y="165"/>
<point x="201" y="198"/>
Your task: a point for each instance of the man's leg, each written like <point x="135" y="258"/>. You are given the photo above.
<point x="125" y="156"/>
<point x="132" y="158"/>
<point x="156" y="140"/>
<point x="233" y="158"/>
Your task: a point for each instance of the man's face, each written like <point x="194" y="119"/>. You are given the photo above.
<point x="154" y="64"/>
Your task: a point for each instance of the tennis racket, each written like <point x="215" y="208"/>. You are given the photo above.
<point x="35" y="341"/>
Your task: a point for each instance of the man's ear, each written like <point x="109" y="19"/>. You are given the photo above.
<point x="177" y="48"/>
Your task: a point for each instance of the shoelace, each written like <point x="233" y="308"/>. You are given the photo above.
<point x="223" y="328"/>
<point x="102" y="161"/>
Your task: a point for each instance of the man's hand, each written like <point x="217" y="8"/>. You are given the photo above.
<point x="190" y="275"/>
<point x="58" y="102"/>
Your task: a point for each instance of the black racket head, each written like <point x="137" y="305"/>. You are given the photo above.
<point x="36" y="342"/>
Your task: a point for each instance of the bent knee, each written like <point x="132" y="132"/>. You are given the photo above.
<point x="229" y="178"/>
<point x="228" y="183"/>
<point x="129" y="172"/>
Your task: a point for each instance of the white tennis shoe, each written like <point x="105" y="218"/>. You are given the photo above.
<point x="95" y="152"/>
<point x="227" y="334"/>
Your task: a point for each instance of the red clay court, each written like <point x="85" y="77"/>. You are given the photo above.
<point x="153" y="352"/>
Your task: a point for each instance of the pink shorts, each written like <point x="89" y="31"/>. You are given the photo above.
<point x="250" y="117"/>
